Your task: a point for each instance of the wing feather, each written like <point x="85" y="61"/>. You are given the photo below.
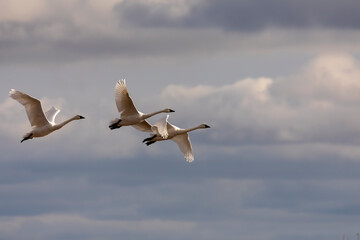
<point x="160" y="127"/>
<point x="51" y="114"/>
<point x="183" y="141"/>
<point x="123" y="100"/>
<point x="143" y="126"/>
<point x="32" y="106"/>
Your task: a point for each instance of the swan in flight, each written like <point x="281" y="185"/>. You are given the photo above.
<point x="163" y="130"/>
<point x="129" y="115"/>
<point x="42" y="124"/>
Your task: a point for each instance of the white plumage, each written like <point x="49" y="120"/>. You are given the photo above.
<point x="42" y="124"/>
<point x="176" y="134"/>
<point x="129" y="115"/>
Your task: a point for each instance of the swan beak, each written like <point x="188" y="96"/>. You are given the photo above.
<point x="81" y="117"/>
<point x="170" y="110"/>
<point x="207" y="126"/>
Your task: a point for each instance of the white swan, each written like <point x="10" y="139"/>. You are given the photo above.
<point x="129" y="115"/>
<point x="178" y="135"/>
<point x="42" y="124"/>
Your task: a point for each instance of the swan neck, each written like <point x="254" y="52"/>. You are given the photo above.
<point x="152" y="114"/>
<point x="60" y="125"/>
<point x="192" y="129"/>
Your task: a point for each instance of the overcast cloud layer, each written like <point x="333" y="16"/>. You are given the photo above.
<point x="277" y="81"/>
<point x="243" y="15"/>
<point x="50" y="32"/>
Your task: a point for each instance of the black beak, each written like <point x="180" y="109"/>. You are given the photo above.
<point x="207" y="126"/>
<point x="81" y="117"/>
<point x="170" y="110"/>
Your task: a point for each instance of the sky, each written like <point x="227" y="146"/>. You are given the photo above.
<point x="278" y="82"/>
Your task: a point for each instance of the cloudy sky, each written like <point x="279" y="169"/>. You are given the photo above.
<point x="278" y="82"/>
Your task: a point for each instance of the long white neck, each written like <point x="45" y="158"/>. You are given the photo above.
<point x="60" y="125"/>
<point x="191" y="129"/>
<point x="145" y="116"/>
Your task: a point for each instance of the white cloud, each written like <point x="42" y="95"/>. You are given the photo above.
<point x="247" y="89"/>
<point x="319" y="104"/>
<point x="328" y="78"/>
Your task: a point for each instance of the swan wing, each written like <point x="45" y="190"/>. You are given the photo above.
<point x="143" y="126"/>
<point x="184" y="144"/>
<point x="51" y="114"/>
<point x="32" y="106"/>
<point x="172" y="130"/>
<point x="160" y="127"/>
<point x="123" y="100"/>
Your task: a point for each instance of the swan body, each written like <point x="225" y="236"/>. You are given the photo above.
<point x="129" y="115"/>
<point x="42" y="124"/>
<point x="178" y="135"/>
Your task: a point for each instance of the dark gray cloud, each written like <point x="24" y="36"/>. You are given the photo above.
<point x="36" y="45"/>
<point x="136" y="29"/>
<point x="244" y="15"/>
<point x="58" y="186"/>
<point x="247" y="189"/>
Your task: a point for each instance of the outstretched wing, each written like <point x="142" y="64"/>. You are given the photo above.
<point x="123" y="101"/>
<point x="32" y="106"/>
<point x="143" y="126"/>
<point x="160" y="127"/>
<point x="51" y="114"/>
<point x="184" y="144"/>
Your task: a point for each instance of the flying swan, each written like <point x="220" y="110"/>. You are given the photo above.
<point x="163" y="130"/>
<point x="42" y="124"/>
<point x="129" y="115"/>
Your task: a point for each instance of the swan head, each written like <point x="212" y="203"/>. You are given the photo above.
<point x="78" y="117"/>
<point x="204" y="125"/>
<point x="168" y="110"/>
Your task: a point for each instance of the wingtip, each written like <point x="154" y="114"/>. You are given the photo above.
<point x="122" y="82"/>
<point x="189" y="157"/>
<point x="12" y="92"/>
